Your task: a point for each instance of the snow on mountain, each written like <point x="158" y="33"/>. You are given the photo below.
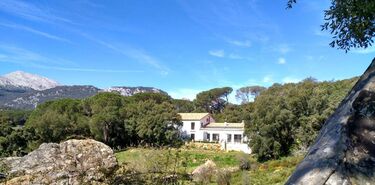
<point x="23" y="79"/>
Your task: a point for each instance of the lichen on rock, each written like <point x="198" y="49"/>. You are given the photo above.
<point x="70" y="162"/>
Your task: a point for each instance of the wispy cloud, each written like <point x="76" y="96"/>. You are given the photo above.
<point x="238" y="57"/>
<point x="34" y="31"/>
<point x="283" y="48"/>
<point x="289" y="79"/>
<point x="134" y="53"/>
<point x="13" y="54"/>
<point x="217" y="53"/>
<point x="321" y="33"/>
<point x="185" y="93"/>
<point x="89" y="69"/>
<point x="314" y="58"/>
<point x="364" y="51"/>
<point x="235" y="56"/>
<point x="30" y="11"/>
<point x="281" y="60"/>
<point x="24" y="57"/>
<point x="245" y="43"/>
<point x="267" y="79"/>
<point x="244" y="19"/>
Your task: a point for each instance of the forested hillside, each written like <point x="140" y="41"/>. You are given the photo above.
<point x="282" y="118"/>
<point x="287" y="118"/>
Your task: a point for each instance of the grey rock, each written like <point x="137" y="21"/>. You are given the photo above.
<point x="26" y="98"/>
<point x="344" y="151"/>
<point x="204" y="172"/>
<point x="70" y="162"/>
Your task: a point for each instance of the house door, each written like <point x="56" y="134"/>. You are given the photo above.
<point x="192" y="137"/>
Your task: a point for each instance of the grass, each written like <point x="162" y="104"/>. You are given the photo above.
<point x="270" y="172"/>
<point x="194" y="157"/>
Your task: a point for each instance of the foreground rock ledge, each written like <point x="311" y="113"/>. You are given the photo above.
<point x="70" y="162"/>
<point x="344" y="152"/>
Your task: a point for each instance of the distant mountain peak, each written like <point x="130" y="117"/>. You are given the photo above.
<point x="27" y="80"/>
<point x="21" y="90"/>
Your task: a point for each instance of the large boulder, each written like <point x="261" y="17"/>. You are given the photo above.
<point x="70" y="162"/>
<point x="344" y="152"/>
<point x="204" y="172"/>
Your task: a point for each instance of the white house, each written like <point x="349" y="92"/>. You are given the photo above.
<point x="202" y="127"/>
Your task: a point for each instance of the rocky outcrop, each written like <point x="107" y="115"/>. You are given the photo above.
<point x="204" y="172"/>
<point x="344" y="152"/>
<point x="70" y="162"/>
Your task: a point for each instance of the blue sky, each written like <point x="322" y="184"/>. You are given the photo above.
<point x="182" y="47"/>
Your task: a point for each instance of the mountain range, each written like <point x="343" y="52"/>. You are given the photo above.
<point x="21" y="90"/>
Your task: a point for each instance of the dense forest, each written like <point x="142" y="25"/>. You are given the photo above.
<point x="280" y="120"/>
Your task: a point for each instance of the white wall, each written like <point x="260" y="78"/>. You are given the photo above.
<point x="244" y="147"/>
<point x="187" y="131"/>
<point x="201" y="133"/>
<point x="225" y="144"/>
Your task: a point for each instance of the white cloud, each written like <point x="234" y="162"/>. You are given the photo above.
<point x="16" y="54"/>
<point x="24" y="57"/>
<point x="235" y="56"/>
<point x="267" y="79"/>
<point x="134" y="53"/>
<point x="315" y="58"/>
<point x="281" y="60"/>
<point x="184" y="93"/>
<point x="283" y="48"/>
<point x="245" y="43"/>
<point x="364" y="51"/>
<point x="89" y="69"/>
<point x="30" y="11"/>
<point x="290" y="80"/>
<point x="34" y="31"/>
<point x="217" y="53"/>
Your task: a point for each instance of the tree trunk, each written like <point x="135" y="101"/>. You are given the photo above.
<point x="106" y="133"/>
<point x="344" y="151"/>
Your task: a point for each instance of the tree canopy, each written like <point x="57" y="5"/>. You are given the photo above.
<point x="213" y="100"/>
<point x="287" y="118"/>
<point x="351" y="22"/>
<point x="245" y="94"/>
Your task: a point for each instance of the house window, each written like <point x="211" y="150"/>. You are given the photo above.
<point x="192" y="136"/>
<point x="215" y="137"/>
<point x="208" y="137"/>
<point x="229" y="138"/>
<point x="192" y="125"/>
<point x="237" y="138"/>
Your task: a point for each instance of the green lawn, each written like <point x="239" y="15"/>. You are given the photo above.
<point x="270" y="172"/>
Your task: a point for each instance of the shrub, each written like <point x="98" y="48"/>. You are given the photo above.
<point x="223" y="177"/>
<point x="244" y="162"/>
<point x="245" y="178"/>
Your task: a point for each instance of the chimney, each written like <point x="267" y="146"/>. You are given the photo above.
<point x="243" y="121"/>
<point x="226" y="124"/>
